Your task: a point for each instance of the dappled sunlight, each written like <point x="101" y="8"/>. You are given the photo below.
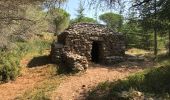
<point x="84" y="49"/>
<point x="138" y="52"/>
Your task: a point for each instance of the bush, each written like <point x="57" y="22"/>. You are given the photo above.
<point x="155" y="81"/>
<point x="10" y="60"/>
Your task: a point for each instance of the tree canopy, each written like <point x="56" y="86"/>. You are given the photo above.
<point x="61" y="20"/>
<point x="80" y="16"/>
<point x="112" y="20"/>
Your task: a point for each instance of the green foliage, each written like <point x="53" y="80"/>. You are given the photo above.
<point x="155" y="81"/>
<point x="62" y="20"/>
<point x="165" y="9"/>
<point x="80" y="12"/>
<point x="10" y="60"/>
<point x="58" y="20"/>
<point x="81" y="17"/>
<point x="112" y="20"/>
<point x="9" y="65"/>
<point x="131" y="30"/>
<point x="155" y="17"/>
<point x="136" y="36"/>
<point x="83" y="20"/>
<point x="24" y="28"/>
<point x="151" y="83"/>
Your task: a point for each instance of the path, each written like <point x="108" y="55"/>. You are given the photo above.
<point x="76" y="87"/>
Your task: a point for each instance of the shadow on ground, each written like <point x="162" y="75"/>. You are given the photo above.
<point x="39" y="61"/>
<point x="129" y="62"/>
<point x="126" y="64"/>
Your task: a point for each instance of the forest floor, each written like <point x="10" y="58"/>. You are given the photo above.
<point x="38" y="80"/>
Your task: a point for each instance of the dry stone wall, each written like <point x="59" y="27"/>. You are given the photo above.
<point x="75" y="61"/>
<point x="78" y="40"/>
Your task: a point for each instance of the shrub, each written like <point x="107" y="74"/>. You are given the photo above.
<point x="150" y="83"/>
<point x="10" y="60"/>
<point x="9" y="66"/>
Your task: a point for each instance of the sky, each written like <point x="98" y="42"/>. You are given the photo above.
<point x="73" y="5"/>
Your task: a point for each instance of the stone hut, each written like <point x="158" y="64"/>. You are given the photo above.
<point x="84" y="42"/>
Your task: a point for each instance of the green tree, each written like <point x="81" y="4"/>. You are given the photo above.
<point x="164" y="16"/>
<point x="22" y="17"/>
<point x="154" y="12"/>
<point x="58" y="20"/>
<point x="81" y="16"/>
<point x="112" y="20"/>
<point x="83" y="19"/>
<point x="62" y="20"/>
<point x="80" y="12"/>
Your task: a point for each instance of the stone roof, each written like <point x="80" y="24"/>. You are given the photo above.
<point x="89" y="28"/>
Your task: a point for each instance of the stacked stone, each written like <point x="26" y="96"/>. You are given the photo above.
<point x="114" y="59"/>
<point x="56" y="52"/>
<point x="75" y="62"/>
<point x="90" y="28"/>
<point x="78" y="44"/>
<point x="75" y="45"/>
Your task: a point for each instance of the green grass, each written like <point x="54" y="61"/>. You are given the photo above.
<point x="10" y="60"/>
<point x="152" y="83"/>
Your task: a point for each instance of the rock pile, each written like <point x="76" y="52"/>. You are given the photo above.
<point x="75" y="61"/>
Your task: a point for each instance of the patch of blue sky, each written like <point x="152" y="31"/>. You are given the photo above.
<point x="72" y="6"/>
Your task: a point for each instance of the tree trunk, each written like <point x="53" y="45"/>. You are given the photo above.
<point x="169" y="42"/>
<point x="155" y="32"/>
<point x="155" y="42"/>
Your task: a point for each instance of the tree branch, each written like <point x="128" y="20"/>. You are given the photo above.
<point x="140" y="3"/>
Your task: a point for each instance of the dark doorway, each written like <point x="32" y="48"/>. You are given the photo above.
<point x="95" y="52"/>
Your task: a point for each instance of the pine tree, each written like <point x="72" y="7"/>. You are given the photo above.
<point x="80" y="11"/>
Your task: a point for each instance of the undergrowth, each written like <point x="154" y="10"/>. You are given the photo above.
<point x="151" y="83"/>
<point x="10" y="60"/>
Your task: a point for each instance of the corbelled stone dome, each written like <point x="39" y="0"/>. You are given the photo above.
<point x="93" y="42"/>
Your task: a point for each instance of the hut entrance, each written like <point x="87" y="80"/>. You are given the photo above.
<point x="95" y="52"/>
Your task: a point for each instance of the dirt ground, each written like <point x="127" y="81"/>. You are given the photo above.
<point x="76" y="87"/>
<point x="73" y="87"/>
<point x="28" y="79"/>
